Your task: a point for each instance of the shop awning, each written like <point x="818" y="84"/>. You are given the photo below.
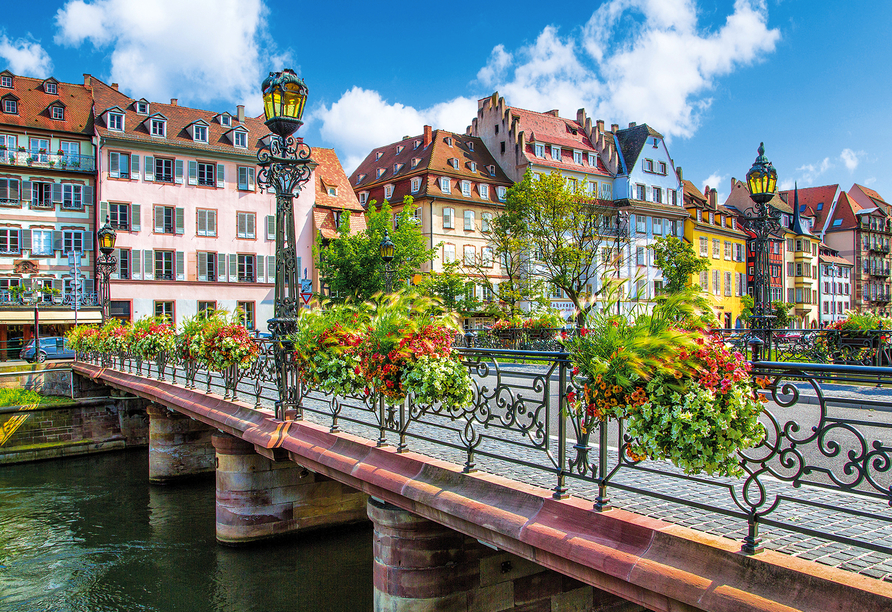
<point x="60" y="315"/>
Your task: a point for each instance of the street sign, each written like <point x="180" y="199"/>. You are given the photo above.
<point x="305" y="296"/>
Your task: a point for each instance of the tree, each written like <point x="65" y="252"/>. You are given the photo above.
<point x="350" y="265"/>
<point x="453" y="287"/>
<point x="678" y="262"/>
<point x="564" y="230"/>
<point x="780" y="310"/>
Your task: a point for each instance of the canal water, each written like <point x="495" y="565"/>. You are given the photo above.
<point x="89" y="534"/>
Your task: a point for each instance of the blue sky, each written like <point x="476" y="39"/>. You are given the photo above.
<point x="809" y="77"/>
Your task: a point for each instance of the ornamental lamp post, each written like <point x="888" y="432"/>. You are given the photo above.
<point x="387" y="250"/>
<point x="106" y="264"/>
<point x="285" y="167"/>
<point x="763" y="223"/>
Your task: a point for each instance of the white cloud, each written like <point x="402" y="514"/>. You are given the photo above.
<point x="870" y="181"/>
<point x="851" y="159"/>
<point x="362" y="120"/>
<point x="196" y="50"/>
<point x="715" y="181"/>
<point x="640" y="60"/>
<point x="25" y="57"/>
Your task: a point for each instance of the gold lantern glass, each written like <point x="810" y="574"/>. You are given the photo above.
<point x="284" y="98"/>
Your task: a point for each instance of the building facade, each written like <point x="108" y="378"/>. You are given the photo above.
<point x="834" y="285"/>
<point x="47" y="208"/>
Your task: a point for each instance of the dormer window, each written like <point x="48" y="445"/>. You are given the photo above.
<point x="555" y="153"/>
<point x="115" y="121"/>
<point x="416" y="144"/>
<point x="380" y="173"/>
<point x="226" y="120"/>
<point x="472" y="166"/>
<point x="332" y="191"/>
<point x="388" y="191"/>
<point x="158" y="128"/>
<point x="6" y="81"/>
<point x="492" y="169"/>
<point x="448" y="141"/>
<point x="57" y="112"/>
<point x="240" y="139"/>
<point x="734" y="223"/>
<point x="454" y="162"/>
<point x="416" y="184"/>
<point x="359" y="178"/>
<point x="539" y="150"/>
<point x="378" y="155"/>
<point x="397" y="167"/>
<point x="577" y="157"/>
<point x="363" y="197"/>
<point x="142" y="107"/>
<point x="470" y="146"/>
<point x="501" y="192"/>
<point x="200" y="133"/>
<point x="50" y="88"/>
<point x="592" y="160"/>
<point x="399" y="149"/>
<point x="415" y="161"/>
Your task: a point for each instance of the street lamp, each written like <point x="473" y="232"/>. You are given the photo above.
<point x="387" y="250"/>
<point x="285" y="166"/>
<point x="106" y="264"/>
<point x="763" y="223"/>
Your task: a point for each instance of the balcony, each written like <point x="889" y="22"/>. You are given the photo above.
<point x="56" y="161"/>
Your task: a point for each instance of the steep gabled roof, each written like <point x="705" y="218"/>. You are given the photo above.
<point x="867" y="197"/>
<point x="631" y="141"/>
<point x="34" y="106"/>
<point x="815" y="202"/>
<point x="329" y="174"/>
<point x="739" y="199"/>
<point x="845" y="215"/>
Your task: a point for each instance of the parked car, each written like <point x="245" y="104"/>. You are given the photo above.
<point x="55" y="347"/>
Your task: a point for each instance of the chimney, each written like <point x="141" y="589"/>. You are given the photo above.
<point x="428" y="135"/>
<point x="240" y="113"/>
<point x="580" y="116"/>
<point x="88" y="80"/>
<point x="114" y="86"/>
<point x="614" y="127"/>
<point x="713" y="197"/>
<point x="553" y="112"/>
<point x="173" y="101"/>
<point x="600" y="125"/>
<point x="632" y="124"/>
<point x="678" y="172"/>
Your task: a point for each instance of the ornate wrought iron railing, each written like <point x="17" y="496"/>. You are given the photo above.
<point x="873" y="347"/>
<point x="823" y="471"/>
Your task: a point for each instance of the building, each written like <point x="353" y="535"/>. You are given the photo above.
<point x="835" y="275"/>
<point x="713" y="231"/>
<point x="802" y="263"/>
<point x="179" y="186"/>
<point x="47" y="207"/>
<point x="457" y="189"/>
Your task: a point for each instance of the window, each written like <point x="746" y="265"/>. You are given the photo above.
<point x="388" y="191"/>
<point x="124" y="264"/>
<point x="470" y="255"/>
<point x="158" y="127"/>
<point x="246" y="269"/>
<point x="206" y="174"/>
<point x="577" y="157"/>
<point x="118" y="164"/>
<point x="704" y="280"/>
<point x="716" y="282"/>
<point x="640" y="192"/>
<point x="502" y="192"/>
<point x="486" y="257"/>
<point x="200" y="133"/>
<point x="727" y="283"/>
<point x="672" y="197"/>
<point x="163" y="170"/>
<point x="115" y="122"/>
<point x="41" y="195"/>
<point x="72" y="197"/>
<point x="658" y="195"/>
<point x="738" y="252"/>
<point x="469" y="220"/>
<point x="662" y="167"/>
<point x="466" y="188"/>
<point x="9" y="241"/>
<point x="57" y="112"/>
<point x="540" y="150"/>
<point x="448" y="214"/>
<point x="247" y="314"/>
<point x="704" y="246"/>
<point x="555" y="153"/>
<point x="72" y="241"/>
<point x="448" y="253"/>
<point x="207" y="266"/>
<point x="119" y="216"/>
<point x="483" y="190"/>
<point x="485" y="221"/>
<point x="657" y="226"/>
<point x="164" y="310"/>
<point x="166" y="220"/>
<point x="246" y="178"/>
<point x="205" y="222"/>
<point x="240" y="140"/>
<point x="42" y="243"/>
<point x="245" y="225"/>
<point x="164" y="265"/>
<point x="9" y="191"/>
<point x="649" y="165"/>
<point x="363" y="197"/>
<point x="142" y="107"/>
<point x="6" y="81"/>
<point x="640" y="258"/>
<point x="445" y="186"/>
<point x="39" y="148"/>
<point x="729" y="254"/>
<point x="10" y="106"/>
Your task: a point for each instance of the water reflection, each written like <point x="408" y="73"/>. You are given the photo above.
<point x="90" y="534"/>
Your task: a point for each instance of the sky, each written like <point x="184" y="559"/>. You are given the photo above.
<point x="809" y="78"/>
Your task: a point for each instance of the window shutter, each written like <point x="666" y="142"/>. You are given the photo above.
<point x="193" y="172"/>
<point x="241" y="225"/>
<point x="57" y="193"/>
<point x="178" y="171"/>
<point x="58" y="284"/>
<point x="149" y="168"/>
<point x="221" y="182"/>
<point x="134" y="217"/>
<point x="159" y="219"/>
<point x="212" y="222"/>
<point x="181" y="265"/>
<point x="257" y="268"/>
<point x="180" y="221"/>
<point x="57" y="241"/>
<point x="251" y="179"/>
<point x="271" y="268"/>
<point x="114" y="163"/>
<point x="202" y="266"/>
<point x="87" y="241"/>
<point x="251" y="228"/>
<point x="26" y="191"/>
<point x="233" y="267"/>
<point x="88" y="286"/>
<point x="117" y="256"/>
<point x="26" y="239"/>
<point x="201" y="225"/>
<point x="87" y="197"/>
<point x="4" y="190"/>
<point x="299" y="269"/>
<point x="134" y="166"/>
<point x="136" y="264"/>
<point x="148" y="261"/>
<point x="270" y="227"/>
<point x="221" y="267"/>
<point x="242" y="177"/>
<point x="103" y="212"/>
<point x="261" y="271"/>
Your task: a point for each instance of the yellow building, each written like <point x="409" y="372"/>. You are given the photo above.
<point x="802" y="260"/>
<point x="713" y="231"/>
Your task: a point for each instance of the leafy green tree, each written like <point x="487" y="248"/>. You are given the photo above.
<point x="678" y="262"/>
<point x="350" y="265"/>
<point x="780" y="310"/>
<point x="564" y="230"/>
<point x="454" y="288"/>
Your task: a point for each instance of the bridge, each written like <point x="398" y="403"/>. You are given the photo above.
<point x="501" y="507"/>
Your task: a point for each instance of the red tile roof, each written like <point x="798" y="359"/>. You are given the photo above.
<point x="811" y="198"/>
<point x="548" y="129"/>
<point x="34" y="106"/>
<point x="835" y="259"/>
<point x="330" y="174"/>
<point x="845" y="213"/>
<point x="179" y="118"/>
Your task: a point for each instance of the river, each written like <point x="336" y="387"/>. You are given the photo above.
<point x="89" y="534"/>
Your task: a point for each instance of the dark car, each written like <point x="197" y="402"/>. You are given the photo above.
<point x="54" y="347"/>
